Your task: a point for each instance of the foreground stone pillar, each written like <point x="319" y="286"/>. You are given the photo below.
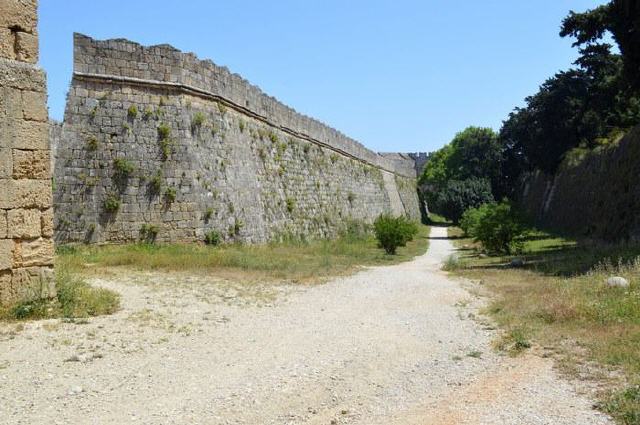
<point x="26" y="218"/>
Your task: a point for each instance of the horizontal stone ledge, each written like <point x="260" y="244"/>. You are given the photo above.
<point x="195" y="91"/>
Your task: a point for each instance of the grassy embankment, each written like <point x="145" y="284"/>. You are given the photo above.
<point x="558" y="300"/>
<point x="292" y="261"/>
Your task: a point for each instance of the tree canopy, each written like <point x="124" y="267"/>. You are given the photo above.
<point x="589" y="105"/>
<point x="461" y="174"/>
<point x="621" y="18"/>
<point x="473" y="152"/>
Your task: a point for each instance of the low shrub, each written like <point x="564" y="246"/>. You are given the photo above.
<point x="499" y="227"/>
<point x="132" y="112"/>
<point x="164" y="131"/>
<point x="149" y="233"/>
<point x="170" y="195"/>
<point x="92" y="143"/>
<point x="123" y="168"/>
<point x="393" y="232"/>
<point x="451" y="263"/>
<point x="291" y="205"/>
<point x="155" y="183"/>
<point x="213" y="238"/>
<point x="625" y="405"/>
<point x="471" y="219"/>
<point x="111" y="203"/>
<point x="198" y="120"/>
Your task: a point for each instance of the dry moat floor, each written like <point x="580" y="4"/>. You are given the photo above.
<point x="398" y="344"/>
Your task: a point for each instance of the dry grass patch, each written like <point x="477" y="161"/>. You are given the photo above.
<point x="559" y="300"/>
<point x="292" y="261"/>
<point x="75" y="298"/>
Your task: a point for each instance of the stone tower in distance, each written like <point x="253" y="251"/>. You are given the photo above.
<point x="26" y="215"/>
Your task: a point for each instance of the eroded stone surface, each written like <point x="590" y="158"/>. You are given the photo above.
<point x="31" y="164"/>
<point x="26" y="244"/>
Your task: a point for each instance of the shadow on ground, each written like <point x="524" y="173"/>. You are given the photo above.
<point x="552" y="256"/>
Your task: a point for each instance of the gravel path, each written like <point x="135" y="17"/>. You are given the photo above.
<point x="390" y="345"/>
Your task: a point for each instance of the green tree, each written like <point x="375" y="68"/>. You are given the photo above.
<point x="457" y="196"/>
<point x="621" y="18"/>
<point x="475" y="153"/>
<point x="583" y="107"/>
<point x="436" y="172"/>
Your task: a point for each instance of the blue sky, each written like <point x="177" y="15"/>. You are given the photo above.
<point x="397" y="75"/>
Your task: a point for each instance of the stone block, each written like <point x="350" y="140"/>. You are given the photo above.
<point x="26" y="47"/>
<point x="27" y="284"/>
<point x="31" y="164"/>
<point x="25" y="193"/>
<point x="6" y="163"/>
<point x="20" y="14"/>
<point x="11" y="104"/>
<point x="46" y="223"/>
<point x="38" y="252"/>
<point x="21" y="134"/>
<point x="6" y="253"/>
<point x="34" y="106"/>
<point x="24" y="224"/>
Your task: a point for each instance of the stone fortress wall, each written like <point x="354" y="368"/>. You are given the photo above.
<point x="26" y="215"/>
<point x="156" y="143"/>
<point x="596" y="198"/>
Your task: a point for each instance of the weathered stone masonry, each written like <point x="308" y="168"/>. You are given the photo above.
<point x="26" y="217"/>
<point x="597" y="198"/>
<point x="156" y="143"/>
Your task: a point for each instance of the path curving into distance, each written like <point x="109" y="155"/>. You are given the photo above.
<point x="388" y="345"/>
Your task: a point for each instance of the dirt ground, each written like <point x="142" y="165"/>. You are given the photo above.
<point x="401" y="344"/>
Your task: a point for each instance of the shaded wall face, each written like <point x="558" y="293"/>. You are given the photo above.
<point x="26" y="216"/>
<point x="598" y="198"/>
<point x="140" y="159"/>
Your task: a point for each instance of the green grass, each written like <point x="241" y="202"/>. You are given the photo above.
<point x="75" y="298"/>
<point x="291" y="260"/>
<point x="438" y="220"/>
<point x="623" y="406"/>
<point x="558" y="299"/>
